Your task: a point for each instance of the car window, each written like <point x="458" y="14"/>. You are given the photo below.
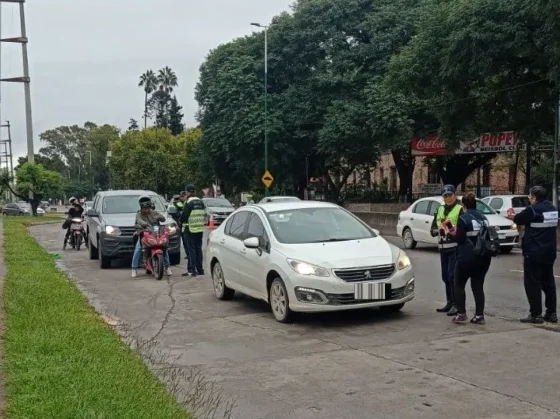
<point x="128" y="204"/>
<point x="519" y="201"/>
<point x="434" y="207"/>
<point x="238" y="222"/>
<point x="255" y="228"/>
<point x="483" y="208"/>
<point x="317" y="225"/>
<point x="11" y="206"/>
<point x="421" y="207"/>
<point x="227" y="228"/>
<point x="496" y="203"/>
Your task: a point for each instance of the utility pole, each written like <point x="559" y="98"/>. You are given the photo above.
<point x="6" y="156"/>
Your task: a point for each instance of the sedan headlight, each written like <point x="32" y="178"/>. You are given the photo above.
<point x="172" y="229"/>
<point x="112" y="231"/>
<point x="403" y="261"/>
<point x="304" y="268"/>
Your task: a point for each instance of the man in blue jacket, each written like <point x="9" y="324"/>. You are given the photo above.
<point x="539" y="254"/>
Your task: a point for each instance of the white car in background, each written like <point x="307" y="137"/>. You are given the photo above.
<point x="414" y="224"/>
<point x="306" y="256"/>
<point x="507" y="204"/>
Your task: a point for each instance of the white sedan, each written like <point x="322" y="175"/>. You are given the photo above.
<point x="306" y="256"/>
<point x="414" y="224"/>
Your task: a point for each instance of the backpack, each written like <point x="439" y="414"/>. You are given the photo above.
<point x="487" y="241"/>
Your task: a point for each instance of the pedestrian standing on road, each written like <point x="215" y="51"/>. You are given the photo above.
<point x="447" y="217"/>
<point x="180" y="205"/>
<point x="539" y="254"/>
<point x="469" y="264"/>
<point x="193" y="220"/>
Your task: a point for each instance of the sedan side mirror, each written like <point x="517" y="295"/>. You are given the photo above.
<point x="92" y="213"/>
<point x="252" y="243"/>
<point x="376" y="231"/>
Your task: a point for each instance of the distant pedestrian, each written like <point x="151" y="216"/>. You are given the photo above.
<point x="447" y="218"/>
<point x="193" y="220"/>
<point x="469" y="264"/>
<point x="539" y="254"/>
<point x="180" y="205"/>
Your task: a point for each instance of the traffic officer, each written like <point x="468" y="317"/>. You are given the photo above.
<point x="179" y="204"/>
<point x="447" y="217"/>
<point x="539" y="253"/>
<point x="193" y="219"/>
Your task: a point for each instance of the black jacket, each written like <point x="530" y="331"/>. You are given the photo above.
<point x="465" y="236"/>
<point x="75" y="211"/>
<point x="539" y="241"/>
<point x="189" y="206"/>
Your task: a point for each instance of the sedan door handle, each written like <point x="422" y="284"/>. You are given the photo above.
<point x="427" y="222"/>
<point x="411" y="219"/>
<point x="222" y="241"/>
<point x="243" y="251"/>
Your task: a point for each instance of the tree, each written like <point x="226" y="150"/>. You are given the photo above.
<point x="167" y="80"/>
<point x="149" y="82"/>
<point x="175" y="117"/>
<point x="133" y="125"/>
<point x="34" y="179"/>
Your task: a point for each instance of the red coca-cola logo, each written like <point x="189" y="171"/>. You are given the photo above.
<point x="430" y="144"/>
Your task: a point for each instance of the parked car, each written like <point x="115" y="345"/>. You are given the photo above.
<point x="507" y="204"/>
<point x="279" y="199"/>
<point x="110" y="226"/>
<point x="414" y="224"/>
<point x="304" y="256"/>
<point x="21" y="208"/>
<point x="218" y="209"/>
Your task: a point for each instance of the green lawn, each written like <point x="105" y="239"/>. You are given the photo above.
<point x="61" y="359"/>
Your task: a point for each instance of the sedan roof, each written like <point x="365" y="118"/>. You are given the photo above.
<point x="291" y="205"/>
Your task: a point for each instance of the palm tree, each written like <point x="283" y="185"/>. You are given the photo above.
<point x="167" y="79"/>
<point x="149" y="82"/>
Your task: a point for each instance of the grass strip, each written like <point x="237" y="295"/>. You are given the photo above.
<point x="61" y="359"/>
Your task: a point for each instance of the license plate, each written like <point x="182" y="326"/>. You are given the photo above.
<point x="369" y="291"/>
<point x="501" y="236"/>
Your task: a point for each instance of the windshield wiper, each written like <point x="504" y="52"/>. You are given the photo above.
<point x="330" y="240"/>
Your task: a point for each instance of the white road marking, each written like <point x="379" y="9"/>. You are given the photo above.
<point x="515" y="270"/>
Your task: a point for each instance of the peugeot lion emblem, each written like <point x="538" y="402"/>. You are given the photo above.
<point x="367" y="274"/>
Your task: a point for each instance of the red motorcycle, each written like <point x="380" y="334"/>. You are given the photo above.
<point x="155" y="241"/>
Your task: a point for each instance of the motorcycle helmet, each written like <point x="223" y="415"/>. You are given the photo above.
<point x="145" y="202"/>
<point x="73" y="200"/>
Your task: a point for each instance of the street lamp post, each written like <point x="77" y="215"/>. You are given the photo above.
<point x="265" y="27"/>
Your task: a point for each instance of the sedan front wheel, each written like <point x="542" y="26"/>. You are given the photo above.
<point x="222" y="291"/>
<point x="279" y="301"/>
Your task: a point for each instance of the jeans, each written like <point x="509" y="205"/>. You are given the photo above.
<point x="539" y="278"/>
<point x="475" y="270"/>
<point x="137" y="256"/>
<point x="194" y="264"/>
<point x="448" y="261"/>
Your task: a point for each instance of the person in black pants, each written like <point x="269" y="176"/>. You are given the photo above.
<point x="539" y="254"/>
<point x="469" y="265"/>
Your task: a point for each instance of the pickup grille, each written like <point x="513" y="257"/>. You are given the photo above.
<point x="372" y="273"/>
<point x="127" y="231"/>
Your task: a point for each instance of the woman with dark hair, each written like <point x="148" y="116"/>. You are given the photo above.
<point x="469" y="265"/>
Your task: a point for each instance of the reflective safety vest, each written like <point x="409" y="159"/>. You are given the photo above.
<point x="197" y="218"/>
<point x="452" y="216"/>
<point x="549" y="219"/>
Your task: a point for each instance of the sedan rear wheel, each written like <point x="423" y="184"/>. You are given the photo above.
<point x="408" y="239"/>
<point x="220" y="288"/>
<point x="279" y="301"/>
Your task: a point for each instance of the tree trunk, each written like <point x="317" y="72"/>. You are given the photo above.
<point x="404" y="163"/>
<point x="146" y="111"/>
<point x="455" y="169"/>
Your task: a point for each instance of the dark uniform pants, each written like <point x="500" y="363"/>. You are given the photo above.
<point x="194" y="264"/>
<point x="538" y="278"/>
<point x="448" y="261"/>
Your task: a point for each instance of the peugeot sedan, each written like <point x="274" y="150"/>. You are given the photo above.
<point x="305" y="256"/>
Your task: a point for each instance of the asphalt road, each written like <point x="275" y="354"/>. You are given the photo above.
<point x="354" y="365"/>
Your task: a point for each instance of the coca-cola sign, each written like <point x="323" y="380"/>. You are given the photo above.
<point x="502" y="142"/>
<point x="429" y="146"/>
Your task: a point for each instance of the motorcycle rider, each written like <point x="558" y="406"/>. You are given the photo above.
<point x="146" y="217"/>
<point x="75" y="211"/>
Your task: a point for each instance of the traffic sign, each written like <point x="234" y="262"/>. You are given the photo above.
<point x="267" y="179"/>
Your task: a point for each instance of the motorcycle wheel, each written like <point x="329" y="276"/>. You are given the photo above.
<point x="78" y="241"/>
<point x="157" y="266"/>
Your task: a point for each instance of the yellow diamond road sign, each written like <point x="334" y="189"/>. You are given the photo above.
<point x="267" y="179"/>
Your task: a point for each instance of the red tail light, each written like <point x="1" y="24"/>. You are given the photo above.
<point x="511" y="212"/>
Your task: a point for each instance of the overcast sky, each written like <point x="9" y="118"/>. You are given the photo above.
<point x="86" y="55"/>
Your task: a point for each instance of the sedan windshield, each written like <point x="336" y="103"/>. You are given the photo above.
<point x="217" y="202"/>
<point x="316" y="225"/>
<point x="483" y="208"/>
<point x="127" y="204"/>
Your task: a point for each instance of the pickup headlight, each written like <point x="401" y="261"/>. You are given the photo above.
<point x="304" y="268"/>
<point x="514" y="226"/>
<point x="403" y="261"/>
<point x="112" y="231"/>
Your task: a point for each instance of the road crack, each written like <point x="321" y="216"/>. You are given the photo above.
<point x="169" y="312"/>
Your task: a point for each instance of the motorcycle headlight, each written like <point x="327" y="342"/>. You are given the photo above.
<point x="172" y="229"/>
<point x="112" y="231"/>
<point x="304" y="268"/>
<point x="403" y="261"/>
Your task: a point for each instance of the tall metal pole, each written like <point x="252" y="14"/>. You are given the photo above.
<point x="266" y="191"/>
<point x="27" y="87"/>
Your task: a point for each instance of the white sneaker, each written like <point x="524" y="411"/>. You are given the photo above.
<point x="134" y="273"/>
<point x="168" y="272"/>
